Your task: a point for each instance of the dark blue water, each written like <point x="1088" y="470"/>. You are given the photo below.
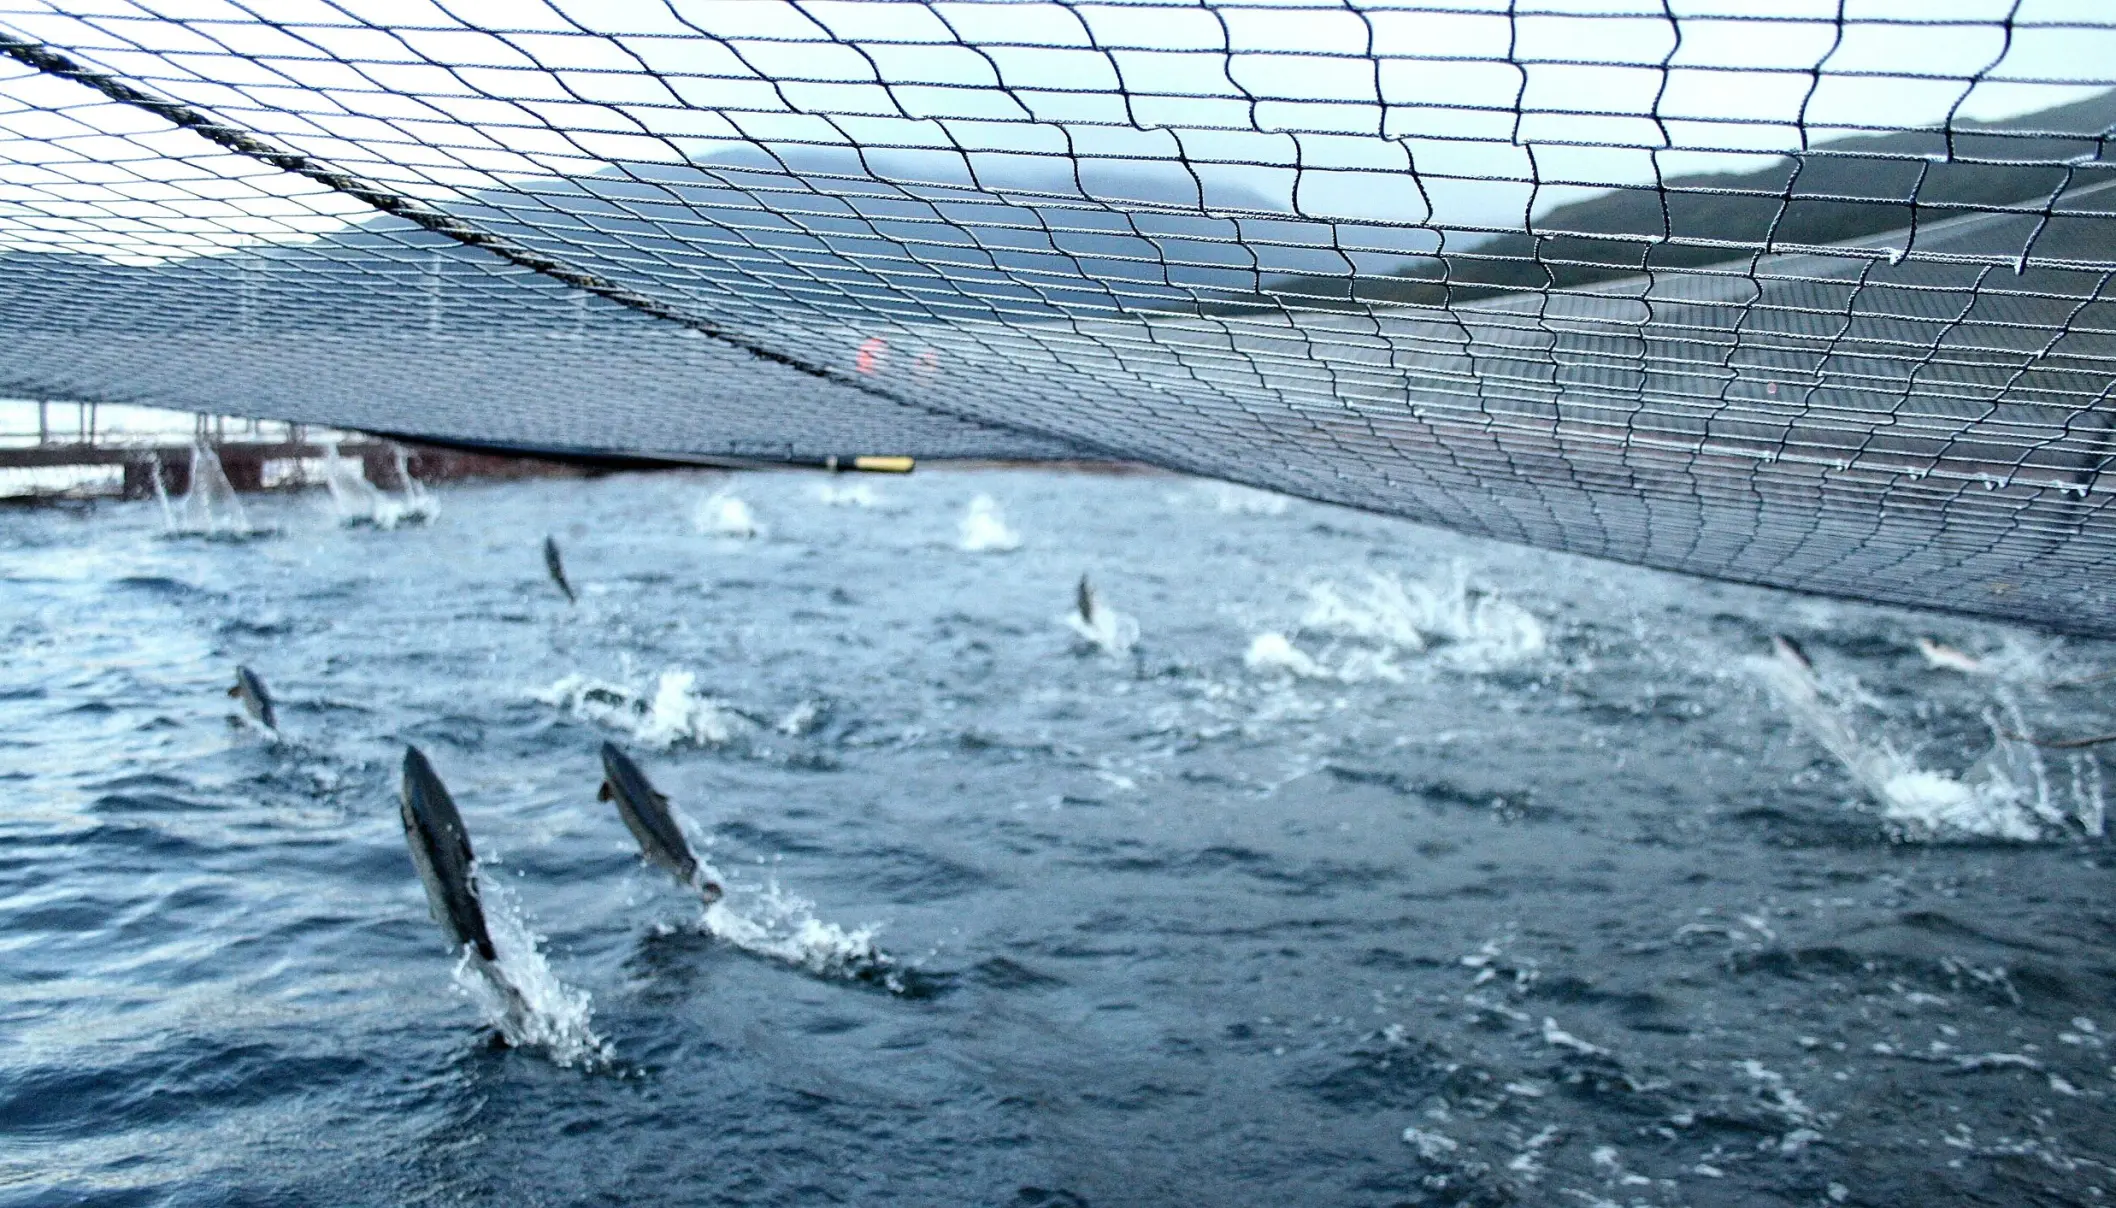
<point x="1490" y="876"/>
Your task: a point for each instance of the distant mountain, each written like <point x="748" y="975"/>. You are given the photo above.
<point x="742" y="235"/>
<point x="1840" y="191"/>
<point x="841" y="234"/>
<point x="1036" y="238"/>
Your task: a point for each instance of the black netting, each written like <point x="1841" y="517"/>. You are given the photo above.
<point x="1811" y="294"/>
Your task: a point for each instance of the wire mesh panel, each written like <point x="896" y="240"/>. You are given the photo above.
<point x="1810" y="293"/>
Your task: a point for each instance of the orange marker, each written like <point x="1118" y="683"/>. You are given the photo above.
<point x="873" y="351"/>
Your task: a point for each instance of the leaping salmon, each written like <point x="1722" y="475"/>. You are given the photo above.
<point x="1789" y="652"/>
<point x="440" y="850"/>
<point x="556" y="566"/>
<point x="646" y="814"/>
<point x="256" y="700"/>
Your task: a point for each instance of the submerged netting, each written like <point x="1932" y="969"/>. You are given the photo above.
<point x="1811" y="293"/>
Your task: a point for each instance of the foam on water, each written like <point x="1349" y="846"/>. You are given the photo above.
<point x="2007" y="794"/>
<point x="769" y="922"/>
<point x="674" y="713"/>
<point x="801" y="719"/>
<point x="984" y="530"/>
<point x="1444" y="620"/>
<point x="1466" y="627"/>
<point x="765" y="920"/>
<point x="1110" y="631"/>
<point x="723" y="514"/>
<point x="530" y="1006"/>
<point x="1274" y="652"/>
<point x="1243" y="883"/>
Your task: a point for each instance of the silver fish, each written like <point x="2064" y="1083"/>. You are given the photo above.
<point x="256" y="700"/>
<point x="646" y="814"/>
<point x="557" y="569"/>
<point x="1789" y="650"/>
<point x="440" y="850"/>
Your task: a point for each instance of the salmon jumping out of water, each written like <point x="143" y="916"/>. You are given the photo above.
<point x="646" y="814"/>
<point x="256" y="700"/>
<point x="557" y="569"/>
<point x="440" y="850"/>
<point x="1789" y="651"/>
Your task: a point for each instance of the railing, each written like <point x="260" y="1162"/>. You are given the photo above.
<point x="33" y="423"/>
<point x="96" y="449"/>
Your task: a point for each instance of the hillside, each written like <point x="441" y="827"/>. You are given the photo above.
<point x="1858" y="187"/>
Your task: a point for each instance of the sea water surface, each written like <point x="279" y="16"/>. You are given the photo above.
<point x="1335" y="861"/>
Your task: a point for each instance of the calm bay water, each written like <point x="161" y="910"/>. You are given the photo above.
<point x="1386" y="867"/>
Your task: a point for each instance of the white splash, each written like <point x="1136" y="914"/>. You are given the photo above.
<point x="673" y="714"/>
<point x="2007" y="794"/>
<point x="353" y="497"/>
<point x="161" y="494"/>
<point x="765" y="920"/>
<point x="722" y="514"/>
<point x="1273" y="652"/>
<point x="1432" y="1146"/>
<point x="211" y="507"/>
<point x="1445" y="619"/>
<point x="520" y="995"/>
<point x="1942" y="657"/>
<point x="802" y="719"/>
<point x="1104" y="628"/>
<point x="984" y="530"/>
<point x="357" y="501"/>
<point x="1231" y="499"/>
<point x="412" y="504"/>
<point x="1467" y="627"/>
<point x="853" y="495"/>
<point x="772" y="923"/>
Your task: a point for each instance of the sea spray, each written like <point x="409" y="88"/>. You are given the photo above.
<point x="765" y="920"/>
<point x="1370" y="626"/>
<point x="722" y="514"/>
<point x="416" y="496"/>
<point x="1099" y="625"/>
<point x="1467" y="627"/>
<point x="354" y="500"/>
<point x="803" y="718"/>
<point x="412" y="503"/>
<point x="673" y="713"/>
<point x="210" y="507"/>
<point x="2087" y="792"/>
<point x="161" y="494"/>
<point x="984" y="529"/>
<point x="2007" y="794"/>
<point x="1274" y="652"/>
<point x="543" y="1013"/>
<point x="772" y="923"/>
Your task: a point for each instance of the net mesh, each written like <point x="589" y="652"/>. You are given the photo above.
<point x="1811" y="293"/>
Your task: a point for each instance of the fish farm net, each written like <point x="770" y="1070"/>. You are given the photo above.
<point x="1809" y="293"/>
